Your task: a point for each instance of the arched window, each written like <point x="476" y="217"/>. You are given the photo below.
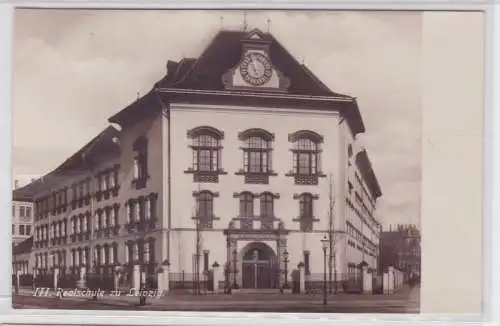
<point x="266" y="205"/>
<point x="257" y="149"/>
<point x="306" y="157"/>
<point x="267" y="210"/>
<point x="246" y="204"/>
<point x="246" y="210"/>
<point x="306" y="211"/>
<point x="207" y="152"/>
<point x="205" y="208"/>
<point x="306" y="205"/>
<point x="97" y="255"/>
<point x="256" y="158"/>
<point x="140" y="170"/>
<point x="113" y="253"/>
<point x="146" y="252"/>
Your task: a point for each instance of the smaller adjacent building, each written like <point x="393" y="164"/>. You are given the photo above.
<point x="21" y="261"/>
<point x="22" y="264"/>
<point x="400" y="248"/>
<point x="22" y="217"/>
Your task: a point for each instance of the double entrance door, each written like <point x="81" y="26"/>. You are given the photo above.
<point x="257" y="271"/>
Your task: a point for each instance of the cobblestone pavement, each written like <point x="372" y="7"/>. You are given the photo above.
<point x="406" y="301"/>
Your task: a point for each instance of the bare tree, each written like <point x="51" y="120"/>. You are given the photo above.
<point x="332" y="261"/>
<point x="197" y="284"/>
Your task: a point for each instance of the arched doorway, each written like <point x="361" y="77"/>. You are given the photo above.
<point x="258" y="270"/>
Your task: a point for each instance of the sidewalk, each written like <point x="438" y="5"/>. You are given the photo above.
<point x="406" y="297"/>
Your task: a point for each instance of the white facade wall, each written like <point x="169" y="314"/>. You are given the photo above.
<point x="232" y="120"/>
<point x="21" y="222"/>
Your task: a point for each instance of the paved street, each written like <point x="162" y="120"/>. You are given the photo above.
<point x="405" y="302"/>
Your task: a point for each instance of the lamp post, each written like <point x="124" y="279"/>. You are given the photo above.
<point x="234" y="286"/>
<point x="33" y="285"/>
<point x="324" y="244"/>
<point x="227" y="269"/>
<point x="285" y="261"/>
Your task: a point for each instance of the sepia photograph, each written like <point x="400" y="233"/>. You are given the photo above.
<point x="246" y="161"/>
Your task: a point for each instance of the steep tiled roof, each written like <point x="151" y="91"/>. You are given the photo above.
<point x="366" y="169"/>
<point x="223" y="53"/>
<point x="23" y="247"/>
<point x="102" y="143"/>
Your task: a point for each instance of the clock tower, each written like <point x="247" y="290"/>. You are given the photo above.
<point x="255" y="70"/>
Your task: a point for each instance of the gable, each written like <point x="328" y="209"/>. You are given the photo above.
<point x="211" y="79"/>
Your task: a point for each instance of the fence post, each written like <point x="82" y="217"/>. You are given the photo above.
<point x="136" y="277"/>
<point x="302" y="277"/>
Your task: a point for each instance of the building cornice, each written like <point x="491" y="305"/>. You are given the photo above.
<point x="255" y="94"/>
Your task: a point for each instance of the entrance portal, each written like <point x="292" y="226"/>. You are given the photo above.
<point x="257" y="269"/>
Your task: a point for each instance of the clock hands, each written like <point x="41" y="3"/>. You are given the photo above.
<point x="252" y="58"/>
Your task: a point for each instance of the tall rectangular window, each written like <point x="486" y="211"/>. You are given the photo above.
<point x="206" y="262"/>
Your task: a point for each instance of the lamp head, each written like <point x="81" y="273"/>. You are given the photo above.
<point x="324" y="242"/>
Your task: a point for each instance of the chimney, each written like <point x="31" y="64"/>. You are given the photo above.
<point x="171" y="67"/>
<point x="16" y="184"/>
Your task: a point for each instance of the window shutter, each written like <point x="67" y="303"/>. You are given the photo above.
<point x="295" y="158"/>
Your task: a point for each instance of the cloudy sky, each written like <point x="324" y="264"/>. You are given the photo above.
<point x="74" y="69"/>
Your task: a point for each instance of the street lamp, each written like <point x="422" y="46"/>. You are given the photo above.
<point x="324" y="244"/>
<point x="285" y="260"/>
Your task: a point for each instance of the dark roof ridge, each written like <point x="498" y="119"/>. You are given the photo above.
<point x="197" y="60"/>
<point x="27" y="191"/>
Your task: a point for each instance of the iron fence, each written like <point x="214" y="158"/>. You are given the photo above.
<point x="191" y="282"/>
<point x="341" y="282"/>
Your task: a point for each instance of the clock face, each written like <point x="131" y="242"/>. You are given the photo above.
<point x="255" y="69"/>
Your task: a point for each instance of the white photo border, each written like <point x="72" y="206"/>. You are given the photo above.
<point x="491" y="201"/>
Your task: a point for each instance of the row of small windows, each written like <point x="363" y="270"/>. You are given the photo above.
<point x="357" y="213"/>
<point x="205" y="209"/>
<point x="21" y="266"/>
<point x="140" y="214"/>
<point x="354" y="233"/>
<point x="106" y="182"/>
<point x="23" y="229"/>
<point x="257" y="150"/>
<point x="141" y="250"/>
